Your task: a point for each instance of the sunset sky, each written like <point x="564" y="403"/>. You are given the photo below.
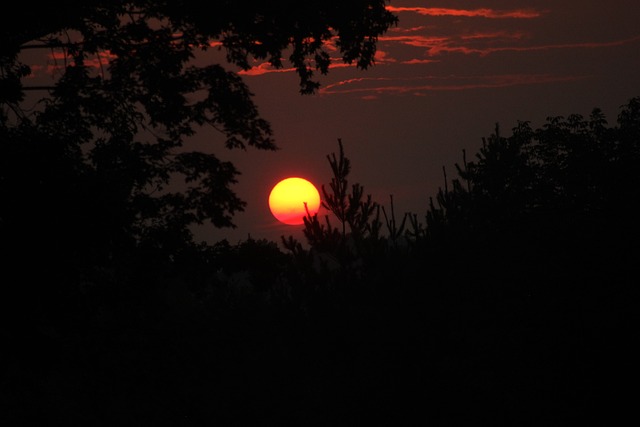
<point x="443" y="77"/>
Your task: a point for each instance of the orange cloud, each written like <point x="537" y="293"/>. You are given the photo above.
<point x="482" y="13"/>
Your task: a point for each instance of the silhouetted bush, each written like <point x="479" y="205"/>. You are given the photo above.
<point x="511" y="304"/>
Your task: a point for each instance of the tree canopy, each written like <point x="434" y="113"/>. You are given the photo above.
<point x="99" y="185"/>
<point x="111" y="131"/>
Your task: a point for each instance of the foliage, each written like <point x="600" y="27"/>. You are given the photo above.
<point x="148" y="83"/>
<point x="349" y="208"/>
<point x="553" y="197"/>
<point x="102" y="162"/>
<point x="519" y="288"/>
<point x="514" y="301"/>
<point x="572" y="177"/>
<point x="99" y="190"/>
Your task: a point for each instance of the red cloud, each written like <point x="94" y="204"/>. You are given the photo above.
<point x="415" y="61"/>
<point x="382" y="57"/>
<point x="407" y="30"/>
<point x="266" y="68"/>
<point x="58" y="60"/>
<point x="417" y="40"/>
<point x="435" y="45"/>
<point x="433" y="50"/>
<point x="419" y="86"/>
<point x="494" y="35"/>
<point x="482" y="13"/>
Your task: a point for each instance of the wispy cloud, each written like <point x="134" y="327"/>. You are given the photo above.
<point x="384" y="57"/>
<point x="418" y="28"/>
<point x="416" y="61"/>
<point x="413" y="50"/>
<point x="418" y="40"/>
<point x="266" y="68"/>
<point x="471" y="13"/>
<point x="489" y="50"/>
<point x="56" y="61"/>
<point x="467" y="44"/>
<point x="368" y="88"/>
<point x="495" y="35"/>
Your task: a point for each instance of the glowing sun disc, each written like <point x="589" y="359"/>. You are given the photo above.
<point x="288" y="197"/>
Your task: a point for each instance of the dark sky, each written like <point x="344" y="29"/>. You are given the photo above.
<point x="443" y="78"/>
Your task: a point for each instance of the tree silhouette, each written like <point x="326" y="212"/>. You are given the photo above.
<point x="100" y="188"/>
<point x="348" y="207"/>
<point x="146" y="82"/>
<point x="513" y="304"/>
<point x="518" y="291"/>
<point x="101" y="166"/>
<point x="358" y="217"/>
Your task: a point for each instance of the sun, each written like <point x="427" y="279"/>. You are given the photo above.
<point x="288" y="198"/>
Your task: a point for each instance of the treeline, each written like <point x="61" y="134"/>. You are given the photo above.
<point x="509" y="301"/>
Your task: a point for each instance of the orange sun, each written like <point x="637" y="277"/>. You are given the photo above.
<point x="288" y="197"/>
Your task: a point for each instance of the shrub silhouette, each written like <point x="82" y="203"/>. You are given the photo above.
<point x="521" y="279"/>
<point x="511" y="304"/>
<point x="570" y="182"/>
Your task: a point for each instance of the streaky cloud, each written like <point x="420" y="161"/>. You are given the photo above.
<point x="416" y="61"/>
<point x="418" y="40"/>
<point x="383" y="57"/>
<point x="58" y="60"/>
<point x="264" y="68"/>
<point x="434" y="50"/>
<point x="509" y="35"/>
<point x="479" y="13"/>
<point x="408" y="30"/>
<point x="267" y="68"/>
<point x="419" y="86"/>
<point x="435" y="45"/>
